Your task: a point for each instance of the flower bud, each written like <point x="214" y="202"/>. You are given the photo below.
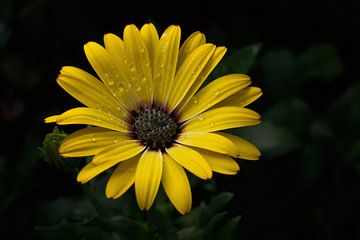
<point x="51" y="153"/>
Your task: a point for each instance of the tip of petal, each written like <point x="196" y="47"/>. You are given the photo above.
<point x="51" y="119"/>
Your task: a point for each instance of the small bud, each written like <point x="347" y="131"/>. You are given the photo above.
<point x="51" y="153"/>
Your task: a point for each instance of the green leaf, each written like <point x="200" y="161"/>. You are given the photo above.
<point x="293" y="114"/>
<point x="322" y="62"/>
<point x="213" y="223"/>
<point x="280" y="67"/>
<point x="273" y="140"/>
<point x="228" y="230"/>
<point x="218" y="202"/>
<point x="160" y="226"/>
<point x="239" y="61"/>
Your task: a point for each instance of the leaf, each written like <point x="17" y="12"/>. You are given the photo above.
<point x="272" y="140"/>
<point x="280" y="68"/>
<point x="239" y="61"/>
<point x="293" y="114"/>
<point x="321" y="61"/>
<point x="228" y="230"/>
<point x="218" y="202"/>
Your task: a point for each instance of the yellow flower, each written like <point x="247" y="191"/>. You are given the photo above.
<point x="149" y="118"/>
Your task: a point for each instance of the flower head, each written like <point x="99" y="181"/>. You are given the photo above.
<point x="148" y="117"/>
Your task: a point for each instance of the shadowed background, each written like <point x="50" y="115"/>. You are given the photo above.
<point x="303" y="54"/>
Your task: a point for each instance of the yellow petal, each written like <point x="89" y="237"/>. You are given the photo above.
<point x="210" y="141"/>
<point x="194" y="41"/>
<point x="122" y="178"/>
<point x="242" y="98"/>
<point x="89" y="141"/>
<point x="89" y="116"/>
<point x="246" y="150"/>
<point x="147" y="178"/>
<point x="210" y="65"/>
<point x="176" y="185"/>
<point x="151" y="39"/>
<point x="114" y="78"/>
<point x="165" y="62"/>
<point x="220" y="163"/>
<point x="187" y="74"/>
<point x="92" y="170"/>
<point x="115" y="48"/>
<point x="213" y="93"/>
<point x="191" y="160"/>
<point x="138" y="63"/>
<point x="120" y="151"/>
<point x="90" y="91"/>
<point x="222" y="118"/>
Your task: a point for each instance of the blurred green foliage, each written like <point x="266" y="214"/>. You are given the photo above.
<point x="305" y="186"/>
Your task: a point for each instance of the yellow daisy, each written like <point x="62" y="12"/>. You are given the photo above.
<point x="149" y="118"/>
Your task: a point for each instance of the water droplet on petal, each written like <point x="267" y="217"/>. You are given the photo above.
<point x="141" y="50"/>
<point x="162" y="64"/>
<point x="143" y="79"/>
<point x="201" y="117"/>
<point x="195" y="100"/>
<point x="162" y="48"/>
<point x="93" y="139"/>
<point x="216" y="92"/>
<point x="106" y="74"/>
<point x="211" y="124"/>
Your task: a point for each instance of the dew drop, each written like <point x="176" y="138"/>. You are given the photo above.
<point x="211" y="124"/>
<point x="138" y="88"/>
<point x="162" y="48"/>
<point x="106" y="74"/>
<point x="131" y="67"/>
<point x="111" y="82"/>
<point x="93" y="139"/>
<point x="216" y="92"/>
<point x="147" y="63"/>
<point x="162" y="64"/>
<point x="195" y="100"/>
<point x="201" y="117"/>
<point x="141" y="50"/>
<point x="143" y="79"/>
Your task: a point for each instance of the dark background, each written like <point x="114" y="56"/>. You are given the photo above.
<point x="306" y="185"/>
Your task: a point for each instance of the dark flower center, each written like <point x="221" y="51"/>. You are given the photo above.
<point x="154" y="127"/>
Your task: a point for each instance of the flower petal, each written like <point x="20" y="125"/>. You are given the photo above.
<point x="194" y="41"/>
<point x="219" y="162"/>
<point x="213" y="93"/>
<point x="191" y="160"/>
<point x="109" y="72"/>
<point x="187" y="74"/>
<point x="165" y="62"/>
<point x="210" y="141"/>
<point x="122" y="178"/>
<point x="138" y="63"/>
<point x="242" y="98"/>
<point x="246" y="150"/>
<point x="176" y="185"/>
<point x="91" y="170"/>
<point x="210" y="65"/>
<point x="83" y="115"/>
<point x="222" y="118"/>
<point x="147" y="178"/>
<point x="89" y="141"/>
<point x="151" y="39"/>
<point x="90" y="91"/>
<point x="120" y="151"/>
